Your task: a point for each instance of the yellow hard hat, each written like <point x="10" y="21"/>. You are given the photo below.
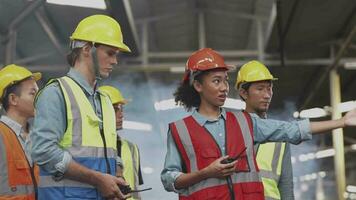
<point x="114" y="94"/>
<point x="12" y="74"/>
<point x="253" y="71"/>
<point x="100" y="29"/>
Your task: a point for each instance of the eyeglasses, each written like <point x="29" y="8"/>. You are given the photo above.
<point x="119" y="107"/>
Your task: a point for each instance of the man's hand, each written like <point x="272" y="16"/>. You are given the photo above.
<point x="108" y="187"/>
<point x="218" y="170"/>
<point x="350" y="118"/>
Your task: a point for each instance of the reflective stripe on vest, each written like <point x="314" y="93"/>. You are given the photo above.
<point x="130" y="158"/>
<point x="187" y="133"/>
<point x="270" y="165"/>
<point x="15" y="172"/>
<point x="82" y="137"/>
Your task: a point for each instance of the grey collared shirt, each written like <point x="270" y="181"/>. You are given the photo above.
<point x="20" y="133"/>
<point x="50" y="124"/>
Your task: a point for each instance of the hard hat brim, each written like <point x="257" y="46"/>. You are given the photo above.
<point x="37" y="75"/>
<point x="226" y="67"/>
<point x="237" y="85"/>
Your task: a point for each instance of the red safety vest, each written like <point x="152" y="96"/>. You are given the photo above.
<point x="198" y="149"/>
<point x="18" y="180"/>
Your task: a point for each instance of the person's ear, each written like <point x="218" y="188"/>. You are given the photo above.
<point x="13" y="99"/>
<point x="197" y="86"/>
<point x="86" y="50"/>
<point x="243" y="93"/>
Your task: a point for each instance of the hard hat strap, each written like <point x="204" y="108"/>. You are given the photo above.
<point x="96" y="66"/>
<point x="192" y="75"/>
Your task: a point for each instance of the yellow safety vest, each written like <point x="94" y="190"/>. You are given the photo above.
<point x="269" y="159"/>
<point x="84" y="141"/>
<point x="131" y="163"/>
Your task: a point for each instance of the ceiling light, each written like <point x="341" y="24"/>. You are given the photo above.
<point x="234" y="104"/>
<point x="313" y="113"/>
<point x="147" y="170"/>
<point x="351" y="188"/>
<point x="350" y="65"/>
<point x="325" y="153"/>
<point x="347" y="106"/>
<point x="166" y="105"/>
<point x="353" y="147"/>
<point x="177" y="69"/>
<point x="98" y="4"/>
<point x="132" y="125"/>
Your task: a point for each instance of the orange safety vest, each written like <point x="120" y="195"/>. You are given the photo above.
<point x="18" y="180"/>
<point x="198" y="149"/>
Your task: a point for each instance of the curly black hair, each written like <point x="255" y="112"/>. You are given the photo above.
<point x="186" y="95"/>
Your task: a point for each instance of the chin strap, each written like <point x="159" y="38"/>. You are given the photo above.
<point x="80" y="44"/>
<point x="96" y="66"/>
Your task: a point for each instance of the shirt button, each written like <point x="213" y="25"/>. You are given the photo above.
<point x="220" y="134"/>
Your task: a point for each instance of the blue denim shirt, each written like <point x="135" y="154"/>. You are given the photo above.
<point x="50" y="124"/>
<point x="265" y="130"/>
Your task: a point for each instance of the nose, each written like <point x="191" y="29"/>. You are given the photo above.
<point x="267" y="94"/>
<point x="115" y="60"/>
<point x="225" y="87"/>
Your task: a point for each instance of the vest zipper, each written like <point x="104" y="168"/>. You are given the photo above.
<point x="228" y="179"/>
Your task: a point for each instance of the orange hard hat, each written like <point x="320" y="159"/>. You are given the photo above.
<point x="202" y="60"/>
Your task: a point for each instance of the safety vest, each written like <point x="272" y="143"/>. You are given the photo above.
<point x="83" y="139"/>
<point x="18" y="180"/>
<point x="198" y="149"/>
<point x="130" y="158"/>
<point x="270" y="165"/>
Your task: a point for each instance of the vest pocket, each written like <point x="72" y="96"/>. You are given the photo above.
<point x="22" y="170"/>
<point x="254" y="189"/>
<point x="80" y="193"/>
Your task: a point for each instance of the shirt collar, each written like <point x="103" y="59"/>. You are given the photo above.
<point x="81" y="80"/>
<point x="202" y="119"/>
<point x="16" y="127"/>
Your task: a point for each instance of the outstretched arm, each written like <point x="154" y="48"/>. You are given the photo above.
<point x="348" y="120"/>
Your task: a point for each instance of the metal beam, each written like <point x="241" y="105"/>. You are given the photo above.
<point x="10" y="38"/>
<point x="201" y="31"/>
<point x="337" y="134"/>
<point x="270" y="24"/>
<point x="24" y="13"/>
<point x="260" y="43"/>
<point x="246" y="16"/>
<point x="333" y="65"/>
<point x="131" y="20"/>
<point x="26" y="60"/>
<point x="47" y="27"/>
<point x="10" y="47"/>
<point x="144" y="44"/>
<point x="159" y="17"/>
<point x="186" y="54"/>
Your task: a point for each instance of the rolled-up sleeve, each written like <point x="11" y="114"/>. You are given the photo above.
<point x="172" y="166"/>
<point x="48" y="129"/>
<point x="268" y="130"/>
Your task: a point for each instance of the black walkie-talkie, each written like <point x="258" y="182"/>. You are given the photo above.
<point x="125" y="189"/>
<point x="230" y="160"/>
